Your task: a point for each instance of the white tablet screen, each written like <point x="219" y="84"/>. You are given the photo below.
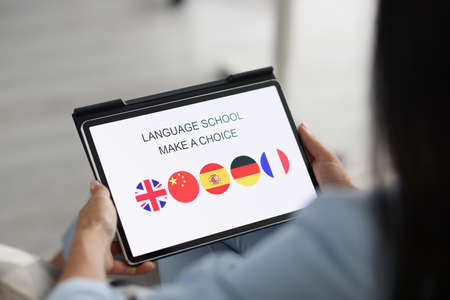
<point x="196" y="170"/>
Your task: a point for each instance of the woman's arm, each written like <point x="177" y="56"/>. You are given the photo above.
<point x="89" y="258"/>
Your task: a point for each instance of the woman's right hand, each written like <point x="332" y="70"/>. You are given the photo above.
<point x="326" y="165"/>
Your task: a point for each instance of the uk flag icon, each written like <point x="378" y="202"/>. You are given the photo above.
<point x="151" y="195"/>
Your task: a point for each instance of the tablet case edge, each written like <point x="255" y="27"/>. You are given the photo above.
<point x="84" y="113"/>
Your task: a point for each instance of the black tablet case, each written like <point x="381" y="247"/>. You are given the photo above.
<point x="111" y="107"/>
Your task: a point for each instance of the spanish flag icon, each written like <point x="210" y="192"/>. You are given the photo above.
<point x="214" y="178"/>
<point x="245" y="170"/>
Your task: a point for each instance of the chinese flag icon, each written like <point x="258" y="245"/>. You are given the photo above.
<point x="183" y="186"/>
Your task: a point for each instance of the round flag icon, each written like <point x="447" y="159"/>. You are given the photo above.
<point x="245" y="170"/>
<point x="183" y="186"/>
<point x="150" y="195"/>
<point x="268" y="166"/>
<point x="214" y="178"/>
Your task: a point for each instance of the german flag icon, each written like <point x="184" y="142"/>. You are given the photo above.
<point x="245" y="170"/>
<point x="214" y="178"/>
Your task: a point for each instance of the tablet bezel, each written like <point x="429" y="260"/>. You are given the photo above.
<point x="99" y="173"/>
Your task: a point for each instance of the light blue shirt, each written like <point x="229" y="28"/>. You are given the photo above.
<point x="333" y="250"/>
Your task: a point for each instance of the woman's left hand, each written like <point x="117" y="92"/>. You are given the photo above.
<point x="98" y="215"/>
<point x="92" y="252"/>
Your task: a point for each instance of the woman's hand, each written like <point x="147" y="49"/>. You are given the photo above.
<point x="92" y="252"/>
<point x="326" y="165"/>
<point x="98" y="214"/>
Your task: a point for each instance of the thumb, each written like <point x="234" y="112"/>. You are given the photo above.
<point x="315" y="149"/>
<point x="98" y="190"/>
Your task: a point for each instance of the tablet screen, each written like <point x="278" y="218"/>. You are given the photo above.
<point x="193" y="171"/>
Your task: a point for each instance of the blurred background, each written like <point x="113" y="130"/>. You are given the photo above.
<point x="57" y="55"/>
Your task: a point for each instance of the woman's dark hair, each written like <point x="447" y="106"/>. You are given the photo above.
<point x="412" y="115"/>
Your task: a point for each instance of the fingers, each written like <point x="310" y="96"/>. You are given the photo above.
<point x="145" y="267"/>
<point x="58" y="260"/>
<point x="115" y="249"/>
<point x="98" y="190"/>
<point x="313" y="146"/>
<point x="121" y="268"/>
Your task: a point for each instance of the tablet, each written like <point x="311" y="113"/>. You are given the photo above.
<point x="199" y="165"/>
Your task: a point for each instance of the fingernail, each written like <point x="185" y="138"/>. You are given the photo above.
<point x="94" y="184"/>
<point x="305" y="127"/>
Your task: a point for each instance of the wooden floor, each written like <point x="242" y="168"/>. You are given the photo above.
<point x="57" y="55"/>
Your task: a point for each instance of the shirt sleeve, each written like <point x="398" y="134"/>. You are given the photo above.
<point x="81" y="288"/>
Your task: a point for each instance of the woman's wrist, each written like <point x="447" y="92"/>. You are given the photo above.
<point x="87" y="256"/>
